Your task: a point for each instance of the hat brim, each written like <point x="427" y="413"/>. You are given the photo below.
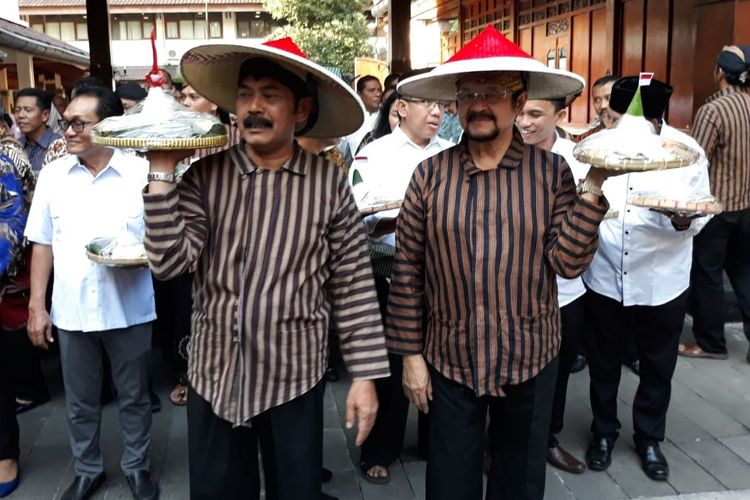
<point x="213" y="70"/>
<point x="543" y="82"/>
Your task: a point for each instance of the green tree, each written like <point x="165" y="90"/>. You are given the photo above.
<point x="330" y="32"/>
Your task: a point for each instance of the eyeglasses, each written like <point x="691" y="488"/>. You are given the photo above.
<point x="493" y="96"/>
<point x="441" y="105"/>
<point x="78" y="125"/>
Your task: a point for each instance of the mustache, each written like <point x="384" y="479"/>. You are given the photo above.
<point x="256" y="121"/>
<point x="476" y="115"/>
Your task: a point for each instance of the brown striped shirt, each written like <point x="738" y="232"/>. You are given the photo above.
<point x="478" y="251"/>
<point x="722" y="128"/>
<point x="270" y="248"/>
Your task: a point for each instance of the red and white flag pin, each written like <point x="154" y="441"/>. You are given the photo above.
<point x="644" y="79"/>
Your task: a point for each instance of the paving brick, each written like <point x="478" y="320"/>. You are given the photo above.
<point x="723" y="464"/>
<point x="685" y="475"/>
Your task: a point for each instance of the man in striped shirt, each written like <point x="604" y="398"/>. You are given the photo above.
<point x="278" y="249"/>
<point x="484" y="228"/>
<point x="722" y="128"/>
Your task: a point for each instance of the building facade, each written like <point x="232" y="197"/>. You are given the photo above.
<point x="676" y="39"/>
<point x="180" y="25"/>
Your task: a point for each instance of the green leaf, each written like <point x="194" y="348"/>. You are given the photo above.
<point x="636" y="105"/>
<point x="356" y="178"/>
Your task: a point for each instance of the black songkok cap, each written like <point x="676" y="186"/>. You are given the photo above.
<point x="655" y="97"/>
<point x="131" y="91"/>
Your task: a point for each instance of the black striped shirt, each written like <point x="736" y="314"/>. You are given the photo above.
<point x="277" y="253"/>
<point x="478" y="251"/>
<point x="722" y="128"/>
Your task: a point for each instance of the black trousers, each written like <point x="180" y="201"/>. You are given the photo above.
<point x="223" y="460"/>
<point x="722" y="245"/>
<point x="9" y="435"/>
<point x="518" y="428"/>
<point x="572" y="318"/>
<point x="656" y="331"/>
<point x="174" y="304"/>
<point x="26" y="365"/>
<point x="385" y="441"/>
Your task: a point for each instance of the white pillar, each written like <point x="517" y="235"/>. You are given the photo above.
<point x="25" y="67"/>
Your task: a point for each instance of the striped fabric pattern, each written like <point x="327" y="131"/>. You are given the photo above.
<point x="722" y="128"/>
<point x="478" y="251"/>
<point x="270" y="248"/>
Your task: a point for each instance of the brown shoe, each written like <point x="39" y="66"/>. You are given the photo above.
<point x="560" y="458"/>
<point x="692" y="350"/>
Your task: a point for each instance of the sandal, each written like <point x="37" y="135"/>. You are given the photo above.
<point x="366" y="468"/>
<point x="178" y="396"/>
<point x="695" y="351"/>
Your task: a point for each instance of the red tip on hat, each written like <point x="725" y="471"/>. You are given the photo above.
<point x="489" y="43"/>
<point x="286" y="44"/>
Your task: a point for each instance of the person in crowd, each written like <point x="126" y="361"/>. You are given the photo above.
<point x="722" y="128"/>
<point x="130" y="94"/>
<point x="389" y="85"/>
<point x="370" y="92"/>
<point x="484" y="228"/>
<point x="16" y="189"/>
<point x="600" y="93"/>
<point x="98" y="310"/>
<point x="637" y="289"/>
<point x="263" y="297"/>
<point x="538" y="125"/>
<point x="60" y="102"/>
<point x="32" y="112"/>
<point x="193" y="100"/>
<point x="450" y="129"/>
<point x="25" y="363"/>
<point x="381" y="172"/>
<point x="385" y="122"/>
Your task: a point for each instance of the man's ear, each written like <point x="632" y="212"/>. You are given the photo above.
<point x="561" y="115"/>
<point x="45" y="115"/>
<point x="400" y="108"/>
<point x="304" y="108"/>
<point x="521" y="102"/>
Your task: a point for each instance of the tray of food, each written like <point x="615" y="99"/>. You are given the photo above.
<point x="380" y="207"/>
<point x="611" y="214"/>
<point x="707" y="205"/>
<point x="161" y="123"/>
<point x="116" y="252"/>
<point x="609" y="152"/>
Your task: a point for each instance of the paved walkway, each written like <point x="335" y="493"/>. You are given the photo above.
<point x="708" y="443"/>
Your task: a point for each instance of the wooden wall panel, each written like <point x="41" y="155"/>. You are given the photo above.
<point x="600" y="61"/>
<point x="741" y="24"/>
<point x="525" y="40"/>
<point x="632" y="37"/>
<point x="656" y="55"/>
<point x="681" y="69"/>
<point x="580" y="48"/>
<point x="539" y="42"/>
<point x="714" y="25"/>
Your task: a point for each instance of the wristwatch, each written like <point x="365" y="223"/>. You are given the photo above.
<point x="587" y="187"/>
<point x="161" y="176"/>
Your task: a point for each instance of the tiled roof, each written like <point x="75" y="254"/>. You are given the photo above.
<point x="20" y="37"/>
<point x="122" y="3"/>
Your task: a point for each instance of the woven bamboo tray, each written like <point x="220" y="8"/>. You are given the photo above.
<point x="706" y="206"/>
<point x="380" y="207"/>
<point x="108" y="261"/>
<point x="611" y="214"/>
<point x="161" y="144"/>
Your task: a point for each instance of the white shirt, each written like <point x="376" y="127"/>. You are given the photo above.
<point x="569" y="290"/>
<point x="71" y="207"/>
<point x="386" y="166"/>
<point x="642" y="259"/>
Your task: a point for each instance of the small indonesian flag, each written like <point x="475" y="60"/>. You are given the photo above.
<point x="644" y="79"/>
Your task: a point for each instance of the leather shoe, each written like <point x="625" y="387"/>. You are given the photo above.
<point x="653" y="462"/>
<point x="83" y="487"/>
<point x="578" y="364"/>
<point x="560" y="458"/>
<point x="142" y="486"/>
<point x="599" y="454"/>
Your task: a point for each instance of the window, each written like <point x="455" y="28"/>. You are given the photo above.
<point x="132" y="26"/>
<point x="66" y="28"/>
<point x="193" y="26"/>
<point x="253" y="24"/>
